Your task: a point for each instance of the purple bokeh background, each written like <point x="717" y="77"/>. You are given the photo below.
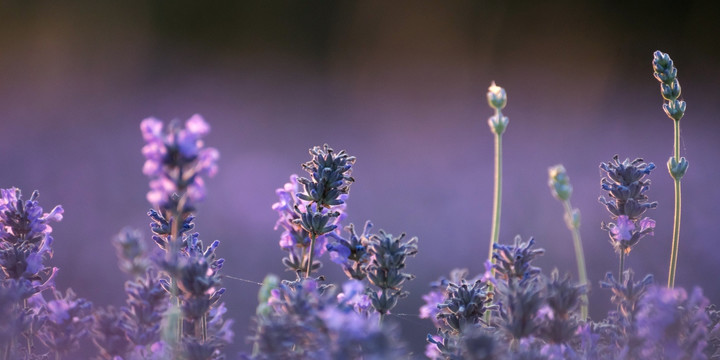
<point x="400" y="85"/>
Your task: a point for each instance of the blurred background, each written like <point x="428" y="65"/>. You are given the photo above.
<point x="401" y="85"/>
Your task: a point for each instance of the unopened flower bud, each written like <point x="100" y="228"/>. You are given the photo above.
<point x="670" y="92"/>
<point x="497" y="98"/>
<point x="559" y="183"/>
<point x="677" y="169"/>
<point x="675" y="109"/>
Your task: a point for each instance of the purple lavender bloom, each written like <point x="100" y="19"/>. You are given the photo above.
<point x="513" y="261"/>
<point x="176" y="160"/>
<point x="146" y="303"/>
<point x="673" y="324"/>
<point x="69" y="319"/>
<point x="294" y="238"/>
<point x="625" y="233"/>
<point x="354" y="296"/>
<point x="24" y="221"/>
<point x="430" y="309"/>
<point x="352" y="254"/>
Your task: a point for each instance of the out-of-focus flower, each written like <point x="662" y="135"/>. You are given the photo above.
<point x="176" y="160"/>
<point x="69" y="319"/>
<point x="673" y="324"/>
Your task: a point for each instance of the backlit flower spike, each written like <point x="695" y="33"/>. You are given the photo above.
<point x="666" y="73"/>
<point x="329" y="176"/>
<point x="24" y="220"/>
<point x="513" y="262"/>
<point x="626" y="185"/>
<point x="386" y="268"/>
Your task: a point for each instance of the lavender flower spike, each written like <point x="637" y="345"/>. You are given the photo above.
<point x="666" y="73"/>
<point x="176" y="160"/>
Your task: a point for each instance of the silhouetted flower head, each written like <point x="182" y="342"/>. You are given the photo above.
<point x="666" y="74"/>
<point x="626" y="184"/>
<point x="385" y="270"/>
<point x="512" y="262"/>
<point x="295" y="239"/>
<point x="176" y="160"/>
<point x="329" y="176"/>
<point x="464" y="304"/>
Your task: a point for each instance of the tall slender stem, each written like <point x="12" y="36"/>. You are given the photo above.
<point x="310" y="257"/>
<point x="497" y="202"/>
<point x="579" y="257"/>
<point x="497" y="196"/>
<point x="676" y="222"/>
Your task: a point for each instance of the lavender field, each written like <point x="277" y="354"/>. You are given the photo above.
<point x="402" y="87"/>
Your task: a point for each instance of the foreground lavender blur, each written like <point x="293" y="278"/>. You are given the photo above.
<point x="513" y="310"/>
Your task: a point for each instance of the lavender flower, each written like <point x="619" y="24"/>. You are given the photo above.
<point x="329" y="176"/>
<point x="305" y="322"/>
<point x="351" y="253"/>
<point x="627" y="293"/>
<point x="24" y="221"/>
<point x="513" y="261"/>
<point x="464" y="305"/>
<point x="626" y="185"/>
<point x="294" y="238"/>
<point x="131" y="252"/>
<point x="146" y="303"/>
<point x="673" y="324"/>
<point x="519" y="304"/>
<point x="109" y="333"/>
<point x="563" y="298"/>
<point x="625" y="234"/>
<point x="69" y="319"/>
<point x="25" y="240"/>
<point x="386" y="266"/>
<point x="176" y="160"/>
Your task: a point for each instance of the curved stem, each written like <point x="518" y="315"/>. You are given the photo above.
<point x="579" y="257"/>
<point x="310" y="257"/>
<point x="678" y="208"/>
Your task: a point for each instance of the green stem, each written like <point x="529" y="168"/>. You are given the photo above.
<point x="310" y="257"/>
<point x="497" y="201"/>
<point x="678" y="208"/>
<point x="579" y="257"/>
<point x="497" y="195"/>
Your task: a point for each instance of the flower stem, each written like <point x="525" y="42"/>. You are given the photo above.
<point x="579" y="256"/>
<point x="497" y="196"/>
<point x="676" y="222"/>
<point x="497" y="202"/>
<point x="310" y="257"/>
